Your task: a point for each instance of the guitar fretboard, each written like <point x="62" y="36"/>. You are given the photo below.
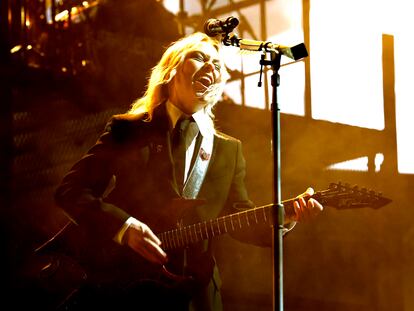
<point x="190" y="234"/>
<point x="337" y="195"/>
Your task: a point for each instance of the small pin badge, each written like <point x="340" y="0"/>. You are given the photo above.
<point x="204" y="155"/>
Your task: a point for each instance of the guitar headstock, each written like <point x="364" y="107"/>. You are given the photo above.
<point x="344" y="196"/>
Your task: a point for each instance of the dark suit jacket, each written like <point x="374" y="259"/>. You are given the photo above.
<point x="131" y="164"/>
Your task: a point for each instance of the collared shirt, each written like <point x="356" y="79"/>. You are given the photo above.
<point x="204" y="123"/>
<point x="206" y="127"/>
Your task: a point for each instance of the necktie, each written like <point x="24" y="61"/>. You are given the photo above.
<point x="179" y="150"/>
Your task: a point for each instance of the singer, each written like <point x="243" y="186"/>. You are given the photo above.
<point x="148" y="196"/>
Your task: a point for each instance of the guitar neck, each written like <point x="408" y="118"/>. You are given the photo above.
<point x="186" y="235"/>
<point x="338" y="195"/>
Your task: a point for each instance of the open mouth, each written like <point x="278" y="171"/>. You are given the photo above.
<point x="202" y="84"/>
<point x="204" y="81"/>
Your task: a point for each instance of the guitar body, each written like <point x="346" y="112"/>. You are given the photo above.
<point x="45" y="281"/>
<point x="111" y="265"/>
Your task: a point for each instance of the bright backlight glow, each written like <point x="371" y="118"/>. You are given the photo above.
<point x="404" y="91"/>
<point x="346" y="64"/>
<point x="359" y="164"/>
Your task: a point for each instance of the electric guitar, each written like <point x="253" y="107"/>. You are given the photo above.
<point x="189" y="264"/>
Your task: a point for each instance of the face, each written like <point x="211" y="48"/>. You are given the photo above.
<point x="196" y="79"/>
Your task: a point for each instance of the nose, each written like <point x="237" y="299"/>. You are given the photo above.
<point x="211" y="67"/>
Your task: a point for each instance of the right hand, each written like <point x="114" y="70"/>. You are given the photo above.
<point x="143" y="241"/>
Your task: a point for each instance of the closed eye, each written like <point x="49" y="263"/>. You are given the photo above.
<point x="201" y="57"/>
<point x="217" y="66"/>
<point x="197" y="56"/>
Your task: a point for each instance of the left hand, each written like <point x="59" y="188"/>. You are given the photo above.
<point x="306" y="208"/>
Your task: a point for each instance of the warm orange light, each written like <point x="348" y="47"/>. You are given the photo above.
<point x="62" y="16"/>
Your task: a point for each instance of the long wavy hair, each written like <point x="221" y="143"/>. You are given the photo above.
<point x="157" y="88"/>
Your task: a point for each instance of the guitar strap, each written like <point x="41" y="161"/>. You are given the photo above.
<point x="198" y="172"/>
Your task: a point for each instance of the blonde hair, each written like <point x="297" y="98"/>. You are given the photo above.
<point x="157" y="88"/>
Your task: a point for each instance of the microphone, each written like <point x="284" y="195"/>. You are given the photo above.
<point x="214" y="27"/>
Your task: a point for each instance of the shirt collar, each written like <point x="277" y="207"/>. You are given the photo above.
<point x="203" y="120"/>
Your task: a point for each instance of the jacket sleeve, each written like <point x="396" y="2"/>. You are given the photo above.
<point x="238" y="201"/>
<point x="82" y="191"/>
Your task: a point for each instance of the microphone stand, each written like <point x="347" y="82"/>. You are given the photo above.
<point x="278" y="213"/>
<point x="275" y="51"/>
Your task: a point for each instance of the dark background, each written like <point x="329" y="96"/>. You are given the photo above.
<point x="54" y="106"/>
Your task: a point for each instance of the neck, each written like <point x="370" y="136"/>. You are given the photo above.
<point x="174" y="113"/>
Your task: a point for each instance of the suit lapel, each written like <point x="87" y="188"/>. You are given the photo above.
<point x="160" y="146"/>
